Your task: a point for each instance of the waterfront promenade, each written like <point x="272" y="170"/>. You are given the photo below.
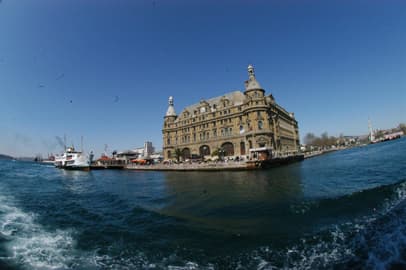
<point x="214" y="166"/>
<point x="321" y="152"/>
<point x="229" y="165"/>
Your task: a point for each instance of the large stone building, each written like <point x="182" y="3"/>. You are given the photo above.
<point x="239" y="124"/>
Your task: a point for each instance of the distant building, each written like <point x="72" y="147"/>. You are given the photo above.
<point x="393" y="135"/>
<point x="145" y="151"/>
<point x="371" y="136"/>
<point x="237" y="123"/>
<point x="127" y="156"/>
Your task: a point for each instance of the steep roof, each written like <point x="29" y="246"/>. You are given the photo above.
<point x="171" y="108"/>
<point x="252" y="84"/>
<point x="236" y="98"/>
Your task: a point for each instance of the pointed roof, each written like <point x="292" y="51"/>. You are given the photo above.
<point x="252" y="82"/>
<point x="171" y="108"/>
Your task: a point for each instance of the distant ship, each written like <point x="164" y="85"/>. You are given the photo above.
<point x="72" y="160"/>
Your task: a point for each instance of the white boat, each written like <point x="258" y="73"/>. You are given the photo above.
<point x="72" y="160"/>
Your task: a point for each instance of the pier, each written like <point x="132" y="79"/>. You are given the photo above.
<point x="219" y="166"/>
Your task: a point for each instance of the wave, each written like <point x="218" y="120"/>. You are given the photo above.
<point x="373" y="241"/>
<point x="376" y="241"/>
<point x="28" y="244"/>
<point x="369" y="202"/>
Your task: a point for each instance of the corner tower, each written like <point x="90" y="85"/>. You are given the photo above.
<point x="170" y="115"/>
<point x="252" y="86"/>
<point x="168" y="132"/>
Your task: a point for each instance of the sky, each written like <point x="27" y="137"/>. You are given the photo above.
<point x="104" y="69"/>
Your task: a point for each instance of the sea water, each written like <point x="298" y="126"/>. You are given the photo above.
<point x="343" y="210"/>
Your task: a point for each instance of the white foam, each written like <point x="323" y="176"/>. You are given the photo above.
<point x="29" y="244"/>
<point x="381" y="236"/>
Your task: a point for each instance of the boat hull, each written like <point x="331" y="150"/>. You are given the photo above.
<point x="72" y="160"/>
<point x="76" y="168"/>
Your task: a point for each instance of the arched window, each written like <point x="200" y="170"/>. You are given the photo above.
<point x="186" y="153"/>
<point x="228" y="149"/>
<point x="204" y="150"/>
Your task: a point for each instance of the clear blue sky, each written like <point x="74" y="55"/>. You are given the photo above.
<point x="104" y="69"/>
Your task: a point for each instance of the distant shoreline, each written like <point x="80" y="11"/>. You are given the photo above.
<point x="2" y="156"/>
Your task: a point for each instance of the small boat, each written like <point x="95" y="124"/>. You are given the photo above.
<point x="72" y="160"/>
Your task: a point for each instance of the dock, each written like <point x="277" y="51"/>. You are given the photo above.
<point x="219" y="166"/>
<point x="107" y="167"/>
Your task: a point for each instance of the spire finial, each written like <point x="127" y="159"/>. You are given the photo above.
<point x="251" y="71"/>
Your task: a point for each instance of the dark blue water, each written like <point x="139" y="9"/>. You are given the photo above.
<point x="343" y="210"/>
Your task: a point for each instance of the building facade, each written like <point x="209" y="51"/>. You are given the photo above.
<point x="145" y="151"/>
<point x="235" y="124"/>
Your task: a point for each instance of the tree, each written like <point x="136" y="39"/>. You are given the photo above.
<point x="379" y="134"/>
<point x="178" y="154"/>
<point x="402" y="127"/>
<point x="324" y="139"/>
<point x="219" y="152"/>
<point x="309" y="138"/>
